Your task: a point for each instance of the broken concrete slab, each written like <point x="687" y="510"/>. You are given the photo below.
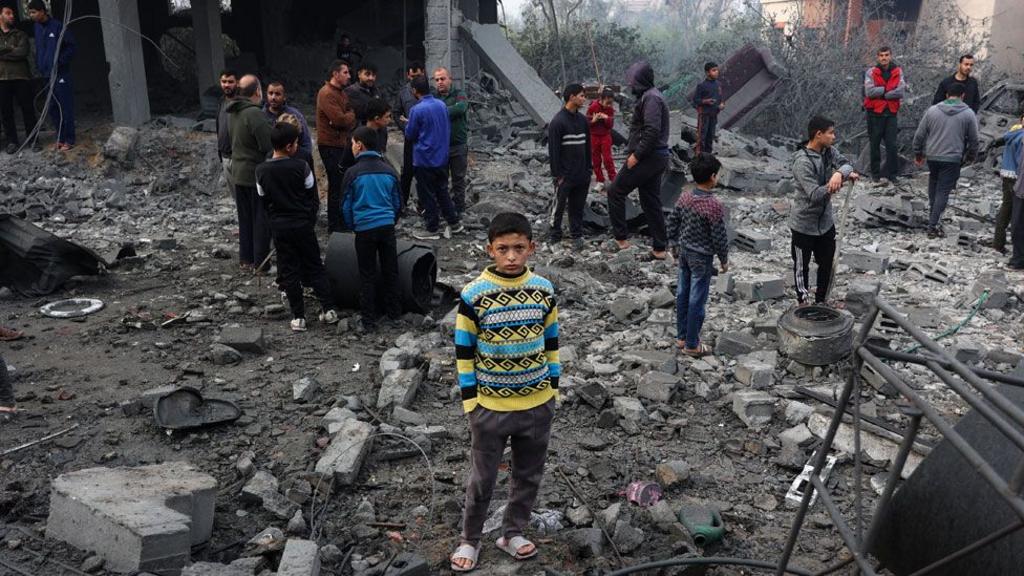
<point x="629" y="408"/>
<point x="752" y="241"/>
<point x="756" y="369"/>
<point x="137" y="519"/>
<point x="734" y="344"/>
<point x="305" y="389"/>
<point x="997" y="285"/>
<point x="876" y="447"/>
<point x="344" y="456"/>
<point x="300" y="558"/>
<point x="754" y="407"/>
<point x="243" y="339"/>
<point x="864" y="261"/>
<point x="399" y="387"/>
<point x="658" y="386"/>
<point x="760" y="287"/>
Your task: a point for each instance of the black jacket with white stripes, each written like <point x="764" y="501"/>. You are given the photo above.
<point x="569" y="147"/>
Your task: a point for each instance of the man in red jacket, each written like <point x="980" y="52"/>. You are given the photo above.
<point x="601" y="118"/>
<point x="883" y="90"/>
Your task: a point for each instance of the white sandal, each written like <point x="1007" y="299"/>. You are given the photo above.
<point x="512" y="546"/>
<point x="465" y="552"/>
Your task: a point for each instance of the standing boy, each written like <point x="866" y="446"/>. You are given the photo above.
<point x="947" y="137"/>
<point x="697" y="227"/>
<point x="819" y="171"/>
<point x="601" y="116"/>
<point x="506" y="349"/>
<point x="286" y="186"/>
<point x="707" y="99"/>
<point x="569" y="152"/>
<point x="55" y="47"/>
<point x="372" y="202"/>
<point x="883" y="91"/>
<point x="1009" y="170"/>
<point x="378" y="116"/>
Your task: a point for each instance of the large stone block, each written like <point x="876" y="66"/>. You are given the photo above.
<point x="399" y="387"/>
<point x="344" y="457"/>
<point x="760" y="287"/>
<point x="136" y="519"/>
<point x="300" y="558"/>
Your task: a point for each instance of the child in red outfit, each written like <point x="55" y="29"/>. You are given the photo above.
<point x="600" y="117"/>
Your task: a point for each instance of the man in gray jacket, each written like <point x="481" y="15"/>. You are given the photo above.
<point x="947" y="137"/>
<point x="819" y="171"/>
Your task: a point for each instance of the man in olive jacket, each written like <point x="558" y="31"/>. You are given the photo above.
<point x="250" y="146"/>
<point x="14" y="79"/>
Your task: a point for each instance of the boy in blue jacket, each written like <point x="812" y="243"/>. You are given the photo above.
<point x="49" y="62"/>
<point x="1010" y="170"/>
<point x="371" y="204"/>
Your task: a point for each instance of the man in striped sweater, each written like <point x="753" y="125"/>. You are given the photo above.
<point x="506" y="347"/>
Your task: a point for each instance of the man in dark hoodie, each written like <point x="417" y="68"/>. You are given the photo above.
<point x="707" y="99"/>
<point x="362" y="91"/>
<point x="250" y="146"/>
<point x="647" y="159"/>
<point x="819" y="171"/>
<point x="947" y="137"/>
<point x="229" y="89"/>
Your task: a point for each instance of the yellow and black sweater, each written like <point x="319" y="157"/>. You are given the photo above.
<point x="506" y="342"/>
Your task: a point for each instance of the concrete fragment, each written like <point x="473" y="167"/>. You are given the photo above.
<point x="222" y="355"/>
<point x="797" y="412"/>
<point x="798" y="435"/>
<point x="305" y="389"/>
<point x="627" y="537"/>
<point x="876" y="447"/>
<point x="399" y="387"/>
<point x="586" y="542"/>
<point x="658" y="386"/>
<point x="120" y="146"/>
<point x="593" y="393"/>
<point x="344" y="457"/>
<point x="626" y="309"/>
<point x="662" y="298"/>
<point x="408" y="417"/>
<point x="335" y="416"/>
<point x="243" y="339"/>
<point x="136" y="519"/>
<point x="629" y="408"/>
<point x="300" y="558"/>
<point x="754" y="408"/>
<point x="734" y="344"/>
<point x="261" y="484"/>
<point x="752" y="241"/>
<point x="756" y="369"/>
<point x="215" y="569"/>
<point x="760" y="287"/>
<point x="672" y="473"/>
<point x="997" y="285"/>
<point x="864" y="261"/>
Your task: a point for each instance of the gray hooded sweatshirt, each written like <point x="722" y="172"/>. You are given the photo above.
<point x="948" y="132"/>
<point x="649" y="127"/>
<point x="811" y="212"/>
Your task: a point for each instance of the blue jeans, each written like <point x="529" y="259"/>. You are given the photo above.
<point x="692" y="295"/>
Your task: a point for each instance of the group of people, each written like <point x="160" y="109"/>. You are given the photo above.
<point x="54" y="50"/>
<point x="277" y="200"/>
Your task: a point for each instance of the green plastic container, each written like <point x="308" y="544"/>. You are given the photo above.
<point x="704" y="524"/>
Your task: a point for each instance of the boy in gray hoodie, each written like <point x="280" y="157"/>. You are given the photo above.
<point x="819" y="171"/>
<point x="947" y="138"/>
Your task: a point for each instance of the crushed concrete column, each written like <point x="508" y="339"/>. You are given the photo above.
<point x="143" y="519"/>
<point x="209" y="43"/>
<point x="123" y="49"/>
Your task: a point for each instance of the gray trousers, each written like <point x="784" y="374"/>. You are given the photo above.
<point x="529" y="432"/>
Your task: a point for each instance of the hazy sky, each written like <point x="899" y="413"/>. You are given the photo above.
<point x="513" y="8"/>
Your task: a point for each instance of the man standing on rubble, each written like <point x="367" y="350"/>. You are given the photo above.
<point x="972" y="92"/>
<point x="947" y="138"/>
<point x="229" y="89"/>
<point x="884" y="87"/>
<point x="54" y="49"/>
<point x="250" y="146"/>
<point x="647" y="158"/>
<point x="569" y="153"/>
<point x="707" y="99"/>
<point x="361" y="92"/>
<point x="14" y="79"/>
<point x="428" y="129"/>
<point x="334" y="122"/>
<point x="819" y="171"/>
<point x="276" y="105"/>
<point x="1017" y="222"/>
<point x="406" y="100"/>
<point x="458" y="150"/>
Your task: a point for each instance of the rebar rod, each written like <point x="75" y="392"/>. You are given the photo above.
<point x="844" y="530"/>
<point x="1012" y="433"/>
<point x="981" y="543"/>
<point x="885" y="500"/>
<point x="898" y="356"/>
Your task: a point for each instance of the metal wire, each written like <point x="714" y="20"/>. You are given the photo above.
<point x="710" y="561"/>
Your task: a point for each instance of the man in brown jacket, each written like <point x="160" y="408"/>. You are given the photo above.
<point x="335" y="120"/>
<point x="14" y="79"/>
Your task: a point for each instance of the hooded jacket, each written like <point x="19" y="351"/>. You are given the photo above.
<point x="250" y="140"/>
<point x="1009" y="166"/>
<point x="648" y="129"/>
<point x="14" y="55"/>
<point x="811" y="212"/>
<point x="372" y="197"/>
<point x="948" y="132"/>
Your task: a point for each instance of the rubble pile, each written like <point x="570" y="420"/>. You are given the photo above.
<point x="351" y="451"/>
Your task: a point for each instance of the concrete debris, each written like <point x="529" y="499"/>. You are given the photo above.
<point x="305" y="389"/>
<point x="244" y="339"/>
<point x="875" y="447"/>
<point x="121" y="145"/>
<point x="734" y="344"/>
<point x="760" y="287"/>
<point x="757" y="369"/>
<point x="300" y="558"/>
<point x="754" y="408"/>
<point x="344" y="457"/>
<point x="658" y="386"/>
<point x="399" y="387"/>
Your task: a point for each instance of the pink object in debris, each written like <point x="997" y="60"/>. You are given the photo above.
<point x="643" y="493"/>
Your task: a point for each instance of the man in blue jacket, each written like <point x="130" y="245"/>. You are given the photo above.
<point x="1009" y="170"/>
<point x="429" y="131"/>
<point x="53" y="60"/>
<point x="371" y="204"/>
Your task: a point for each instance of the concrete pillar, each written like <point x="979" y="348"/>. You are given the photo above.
<point x="470" y="61"/>
<point x="209" y="42"/>
<point x="123" y="49"/>
<point x="441" y="38"/>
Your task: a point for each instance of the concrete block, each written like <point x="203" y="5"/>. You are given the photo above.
<point x="243" y="339"/>
<point x="754" y="408"/>
<point x="752" y="241"/>
<point x="658" y="386"/>
<point x="215" y="569"/>
<point x="629" y="408"/>
<point x="931" y="271"/>
<point x="734" y="344"/>
<point x="768" y="326"/>
<point x="725" y="283"/>
<point x="300" y="558"/>
<point x="344" y="457"/>
<point x="304" y="389"/>
<point x="335" y="417"/>
<point x="760" y="287"/>
<point x="859" y="296"/>
<point x="798" y="412"/>
<point x="997" y="285"/>
<point x="672" y="473"/>
<point x="399" y="387"/>
<point x="863" y="261"/>
<point x="137" y="519"/>
<point x="797" y="436"/>
<point x="756" y="369"/>
<point x="120" y="146"/>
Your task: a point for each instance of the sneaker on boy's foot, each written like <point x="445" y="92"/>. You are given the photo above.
<point x="423" y="234"/>
<point x="299" y="325"/>
<point x="329" y="317"/>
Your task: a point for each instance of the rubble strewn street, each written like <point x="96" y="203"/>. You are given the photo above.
<point x="351" y="450"/>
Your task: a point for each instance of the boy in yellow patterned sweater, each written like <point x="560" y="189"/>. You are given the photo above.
<point x="506" y="348"/>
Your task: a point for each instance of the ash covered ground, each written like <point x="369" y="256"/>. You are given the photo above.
<point x="633" y="409"/>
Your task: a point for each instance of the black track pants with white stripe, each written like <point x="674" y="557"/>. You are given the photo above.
<point x="822" y="249"/>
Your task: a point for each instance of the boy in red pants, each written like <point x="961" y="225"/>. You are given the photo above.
<point x="600" y="118"/>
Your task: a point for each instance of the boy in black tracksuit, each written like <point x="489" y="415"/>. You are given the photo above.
<point x="707" y="99"/>
<point x="569" y="153"/>
<point x="288" y="191"/>
<point x="372" y="201"/>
